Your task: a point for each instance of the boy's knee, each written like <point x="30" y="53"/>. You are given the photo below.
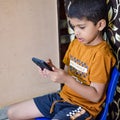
<point x="11" y="113"/>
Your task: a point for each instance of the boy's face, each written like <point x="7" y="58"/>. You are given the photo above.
<point x="86" y="31"/>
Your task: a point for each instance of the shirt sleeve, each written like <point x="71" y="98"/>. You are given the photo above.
<point x="101" y="68"/>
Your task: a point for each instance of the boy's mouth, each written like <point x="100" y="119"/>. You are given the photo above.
<point x="81" y="39"/>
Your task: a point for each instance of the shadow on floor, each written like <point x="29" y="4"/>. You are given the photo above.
<point x="3" y="113"/>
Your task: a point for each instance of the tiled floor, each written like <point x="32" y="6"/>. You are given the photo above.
<point x="3" y="115"/>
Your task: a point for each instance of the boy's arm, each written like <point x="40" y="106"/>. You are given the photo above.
<point x="94" y="92"/>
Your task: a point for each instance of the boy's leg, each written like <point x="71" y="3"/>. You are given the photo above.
<point x="23" y="111"/>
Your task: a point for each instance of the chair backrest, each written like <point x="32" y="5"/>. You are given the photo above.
<point x="115" y="75"/>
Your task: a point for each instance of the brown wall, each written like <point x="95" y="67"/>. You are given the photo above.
<point x="27" y="28"/>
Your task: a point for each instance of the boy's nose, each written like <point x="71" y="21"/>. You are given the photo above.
<point x="76" y="31"/>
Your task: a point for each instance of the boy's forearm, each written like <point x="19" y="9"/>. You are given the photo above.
<point x="88" y="92"/>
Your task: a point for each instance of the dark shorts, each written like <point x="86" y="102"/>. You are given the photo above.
<point x="61" y="110"/>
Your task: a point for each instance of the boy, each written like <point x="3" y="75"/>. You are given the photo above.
<point x="88" y="63"/>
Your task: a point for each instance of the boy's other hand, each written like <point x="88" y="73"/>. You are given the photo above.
<point x="57" y="75"/>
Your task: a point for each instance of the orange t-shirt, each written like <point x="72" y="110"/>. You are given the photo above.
<point x="88" y="64"/>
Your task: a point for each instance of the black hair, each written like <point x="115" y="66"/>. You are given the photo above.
<point x="93" y="10"/>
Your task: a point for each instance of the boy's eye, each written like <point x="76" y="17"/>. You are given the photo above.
<point x="78" y="26"/>
<point x="82" y="27"/>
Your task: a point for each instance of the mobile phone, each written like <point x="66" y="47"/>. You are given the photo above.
<point x="41" y="63"/>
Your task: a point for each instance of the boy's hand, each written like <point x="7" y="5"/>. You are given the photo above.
<point x="57" y="75"/>
<point x="42" y="72"/>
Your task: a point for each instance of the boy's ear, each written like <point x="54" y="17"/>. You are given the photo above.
<point x="101" y="24"/>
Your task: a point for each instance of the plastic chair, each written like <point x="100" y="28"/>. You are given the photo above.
<point x="115" y="75"/>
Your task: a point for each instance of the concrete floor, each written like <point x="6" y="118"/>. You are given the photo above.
<point x="3" y="115"/>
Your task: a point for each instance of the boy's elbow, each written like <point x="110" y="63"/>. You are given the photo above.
<point x="96" y="99"/>
<point x="97" y="92"/>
